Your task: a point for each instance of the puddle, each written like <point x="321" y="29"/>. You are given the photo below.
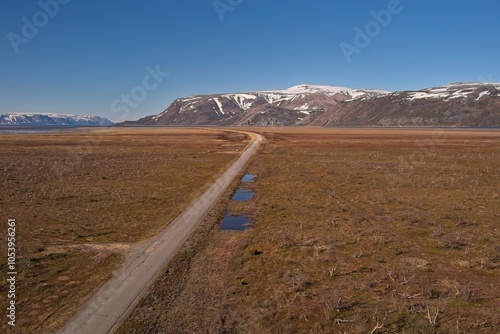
<point x="239" y="223"/>
<point x="248" y="178"/>
<point x="235" y="223"/>
<point x="243" y="195"/>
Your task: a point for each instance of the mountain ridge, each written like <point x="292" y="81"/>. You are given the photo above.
<point x="51" y="119"/>
<point x="456" y="104"/>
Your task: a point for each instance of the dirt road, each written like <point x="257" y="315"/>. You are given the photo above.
<point x="110" y="306"/>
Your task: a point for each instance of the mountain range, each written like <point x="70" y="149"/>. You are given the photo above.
<point x="454" y="105"/>
<point x="33" y="119"/>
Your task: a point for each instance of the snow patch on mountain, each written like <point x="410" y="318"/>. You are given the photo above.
<point x="244" y="101"/>
<point x="276" y="97"/>
<point x="219" y="104"/>
<point x="482" y="94"/>
<point x="331" y="90"/>
<point x="454" y="91"/>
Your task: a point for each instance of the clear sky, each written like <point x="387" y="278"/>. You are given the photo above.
<point x="96" y="56"/>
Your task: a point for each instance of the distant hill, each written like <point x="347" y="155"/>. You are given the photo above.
<point x="458" y="105"/>
<point x="34" y="119"/>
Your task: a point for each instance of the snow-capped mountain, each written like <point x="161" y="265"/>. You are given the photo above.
<point x="457" y="104"/>
<point x="292" y="106"/>
<point x="29" y="119"/>
<point x="331" y="90"/>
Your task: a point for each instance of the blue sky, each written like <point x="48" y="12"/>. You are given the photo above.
<point x="86" y="57"/>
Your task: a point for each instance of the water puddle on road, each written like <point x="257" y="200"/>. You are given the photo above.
<point x="235" y="223"/>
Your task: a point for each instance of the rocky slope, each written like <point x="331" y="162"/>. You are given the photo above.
<point x="458" y="104"/>
<point x="51" y="120"/>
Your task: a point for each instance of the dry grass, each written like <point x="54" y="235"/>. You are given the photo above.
<point x="82" y="199"/>
<point x="356" y="231"/>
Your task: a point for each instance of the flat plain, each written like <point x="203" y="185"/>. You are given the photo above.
<point x="354" y="231"/>
<point x="82" y="199"/>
